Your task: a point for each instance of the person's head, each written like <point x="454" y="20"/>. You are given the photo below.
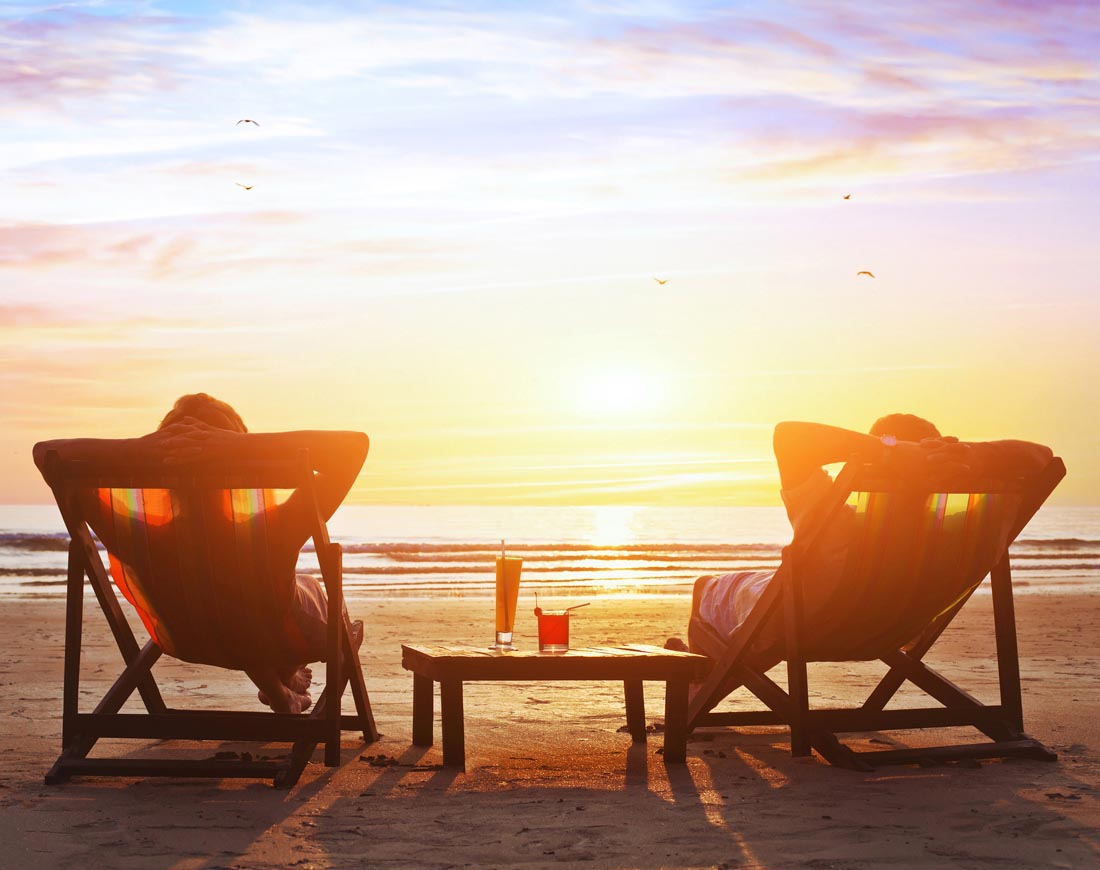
<point x="905" y="427"/>
<point x="207" y="409"/>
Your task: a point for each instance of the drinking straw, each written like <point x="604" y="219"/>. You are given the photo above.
<point x="502" y="548"/>
<point x="575" y="606"/>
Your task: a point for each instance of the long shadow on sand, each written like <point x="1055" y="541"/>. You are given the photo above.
<point x="740" y="801"/>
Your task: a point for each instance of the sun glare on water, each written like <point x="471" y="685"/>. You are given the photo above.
<point x="612" y="525"/>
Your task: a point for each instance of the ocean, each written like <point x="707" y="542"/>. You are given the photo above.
<point x="434" y="552"/>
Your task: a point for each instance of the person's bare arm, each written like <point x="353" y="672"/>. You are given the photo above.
<point x="802" y="448"/>
<point x="1007" y="458"/>
<point x="336" y="457"/>
<point x="148" y="448"/>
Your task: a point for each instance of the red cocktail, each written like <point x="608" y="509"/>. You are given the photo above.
<point x="553" y="630"/>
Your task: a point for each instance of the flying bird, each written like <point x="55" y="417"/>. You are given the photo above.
<point x="847" y="196"/>
<point x="660" y="280"/>
<point x="245" y="186"/>
<point x="248" y="121"/>
<point x="869" y="274"/>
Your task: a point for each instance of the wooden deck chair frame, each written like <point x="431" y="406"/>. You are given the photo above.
<point x="81" y="730"/>
<point x="817" y="728"/>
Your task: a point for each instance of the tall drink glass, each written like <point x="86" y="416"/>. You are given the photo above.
<point x="507" y="597"/>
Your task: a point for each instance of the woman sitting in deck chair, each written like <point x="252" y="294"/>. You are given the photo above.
<point x="904" y="445"/>
<point x="291" y="609"/>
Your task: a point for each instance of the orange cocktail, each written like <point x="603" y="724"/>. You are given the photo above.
<point x="507" y="597"/>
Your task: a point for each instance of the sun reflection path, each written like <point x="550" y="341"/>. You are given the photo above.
<point x="613" y="525"/>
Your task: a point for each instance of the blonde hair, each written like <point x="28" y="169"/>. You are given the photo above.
<point x="206" y="408"/>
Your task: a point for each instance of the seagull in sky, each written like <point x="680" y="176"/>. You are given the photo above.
<point x="869" y="274"/>
<point x="245" y="186"/>
<point x="847" y="196"/>
<point x="660" y="280"/>
<point x="247" y="121"/>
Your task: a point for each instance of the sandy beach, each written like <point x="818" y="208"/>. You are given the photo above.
<point x="551" y="780"/>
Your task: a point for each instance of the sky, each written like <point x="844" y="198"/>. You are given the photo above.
<point x="450" y="226"/>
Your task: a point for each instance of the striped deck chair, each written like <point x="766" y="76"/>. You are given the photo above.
<point x="916" y="555"/>
<point x="194" y="550"/>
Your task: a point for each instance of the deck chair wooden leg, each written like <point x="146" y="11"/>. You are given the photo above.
<point x="1008" y="657"/>
<point x="74" y="627"/>
<point x="352" y="674"/>
<point x="798" y="689"/>
<point x="335" y="587"/>
<point x="354" y="671"/>
<point x="328" y="705"/>
<point x="797" y="682"/>
<point x="302" y="751"/>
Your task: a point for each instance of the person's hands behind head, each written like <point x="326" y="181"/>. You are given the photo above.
<point x="933" y="460"/>
<point x="906" y="459"/>
<point x="187" y="440"/>
<point x="951" y="458"/>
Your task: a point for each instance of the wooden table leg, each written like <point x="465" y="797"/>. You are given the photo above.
<point x="454" y="738"/>
<point x="676" y="710"/>
<point x="635" y="709"/>
<point x="423" y="689"/>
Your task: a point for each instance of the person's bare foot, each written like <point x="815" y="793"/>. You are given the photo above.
<point x="300" y="702"/>
<point x="295" y="683"/>
<point x="290" y="702"/>
<point x="297" y="679"/>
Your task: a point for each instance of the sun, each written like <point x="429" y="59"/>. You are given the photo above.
<point x="618" y="391"/>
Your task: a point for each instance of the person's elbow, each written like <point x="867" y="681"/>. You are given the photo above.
<point x="359" y="446"/>
<point x="40" y="451"/>
<point x="1042" y="456"/>
<point x="786" y="438"/>
<point x="1028" y="456"/>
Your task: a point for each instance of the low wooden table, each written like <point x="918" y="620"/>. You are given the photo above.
<point x="451" y="666"/>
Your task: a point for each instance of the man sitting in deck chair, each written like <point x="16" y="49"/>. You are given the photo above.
<point x="201" y="426"/>
<point x="904" y="445"/>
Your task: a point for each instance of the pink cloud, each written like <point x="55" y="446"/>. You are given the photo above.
<point x="200" y="249"/>
<point x="918" y="145"/>
<point x="51" y="62"/>
<point x="889" y="78"/>
<point x="23" y="315"/>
